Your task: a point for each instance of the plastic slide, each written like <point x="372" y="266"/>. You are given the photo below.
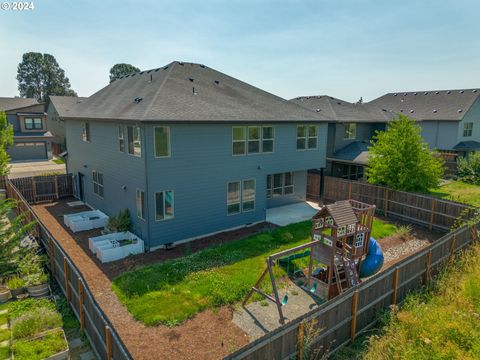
<point x="373" y="261"/>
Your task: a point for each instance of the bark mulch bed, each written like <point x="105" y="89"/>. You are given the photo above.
<point x="209" y="335"/>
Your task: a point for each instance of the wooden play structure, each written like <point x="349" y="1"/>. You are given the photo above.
<point x="341" y="235"/>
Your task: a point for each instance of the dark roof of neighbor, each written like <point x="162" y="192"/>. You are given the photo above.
<point x="341" y="110"/>
<point x="355" y="152"/>
<point x="342" y="213"/>
<point x="430" y="104"/>
<point x="467" y="146"/>
<point x="187" y="92"/>
<point x="12" y="103"/>
<point x="63" y="104"/>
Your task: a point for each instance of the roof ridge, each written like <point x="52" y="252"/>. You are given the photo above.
<point x="155" y="96"/>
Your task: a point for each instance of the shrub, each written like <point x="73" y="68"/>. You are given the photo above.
<point x="41" y="348"/>
<point x="405" y="230"/>
<point x="34" y="322"/>
<point x="19" y="308"/>
<point x="15" y="282"/>
<point x="120" y="222"/>
<point x="469" y="168"/>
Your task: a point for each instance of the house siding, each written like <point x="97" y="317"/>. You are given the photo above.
<point x="472" y="115"/>
<point x="119" y="169"/>
<point x="55" y="125"/>
<point x="440" y="134"/>
<point x="201" y="165"/>
<point x="365" y="131"/>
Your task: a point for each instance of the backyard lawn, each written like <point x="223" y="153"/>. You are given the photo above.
<point x="459" y="191"/>
<point x="173" y="291"/>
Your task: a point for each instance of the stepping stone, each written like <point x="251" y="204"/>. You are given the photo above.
<point x="4" y="327"/>
<point x="88" y="356"/>
<point x="75" y="343"/>
<point x="4" y="343"/>
<point x="4" y="311"/>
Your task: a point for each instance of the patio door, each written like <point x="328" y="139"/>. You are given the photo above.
<point x="80" y="186"/>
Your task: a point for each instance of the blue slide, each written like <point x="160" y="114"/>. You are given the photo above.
<point x="373" y="261"/>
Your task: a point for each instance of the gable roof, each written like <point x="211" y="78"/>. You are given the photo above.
<point x="187" y="92"/>
<point x="428" y="105"/>
<point x="341" y="110"/>
<point x="12" y="103"/>
<point x="63" y="104"/>
<point x="342" y="213"/>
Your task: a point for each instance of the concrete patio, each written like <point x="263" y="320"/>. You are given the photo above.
<point x="290" y="214"/>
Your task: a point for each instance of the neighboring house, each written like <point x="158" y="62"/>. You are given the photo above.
<point x="57" y="109"/>
<point x="32" y="141"/>
<point x="450" y="119"/>
<point x="190" y="151"/>
<point x="349" y="133"/>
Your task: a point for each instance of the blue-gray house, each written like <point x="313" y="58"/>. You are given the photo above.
<point x="191" y="151"/>
<point x="32" y="140"/>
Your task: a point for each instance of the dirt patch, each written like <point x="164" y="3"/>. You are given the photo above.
<point x="209" y="335"/>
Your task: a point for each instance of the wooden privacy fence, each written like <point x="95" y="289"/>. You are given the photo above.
<point x="96" y="326"/>
<point x="44" y="188"/>
<point x="340" y="320"/>
<point x="416" y="208"/>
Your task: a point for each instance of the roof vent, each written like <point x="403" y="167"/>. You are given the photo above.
<point x="202" y="66"/>
<point x="149" y="71"/>
<point x="434" y="110"/>
<point x="461" y="91"/>
<point x="425" y="93"/>
<point x="141" y="72"/>
<point x="411" y="111"/>
<point x="137" y="99"/>
<point x="449" y="92"/>
<point x="339" y="103"/>
<point x="165" y="67"/>
<point x="414" y="93"/>
<point x="404" y="94"/>
<point x="218" y="82"/>
<point x="180" y="63"/>
<point x="191" y="79"/>
<point x="395" y="94"/>
<point x="157" y="69"/>
<point x="193" y="91"/>
<point x="317" y="110"/>
<point x="384" y="110"/>
<point x="475" y="91"/>
<point x="459" y="110"/>
<point x="436" y="92"/>
<point x="401" y="110"/>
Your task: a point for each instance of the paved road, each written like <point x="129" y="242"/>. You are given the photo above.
<point x="24" y="169"/>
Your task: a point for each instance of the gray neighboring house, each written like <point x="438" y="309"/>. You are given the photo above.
<point x="350" y="130"/>
<point x="450" y="119"/>
<point x="191" y="151"/>
<point x="32" y="140"/>
<point x="57" y="109"/>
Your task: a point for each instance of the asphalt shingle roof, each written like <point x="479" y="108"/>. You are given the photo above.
<point x="428" y="105"/>
<point x="9" y="103"/>
<point x="187" y="92"/>
<point x="467" y="146"/>
<point x="341" y="110"/>
<point x="63" y="104"/>
<point x="356" y="152"/>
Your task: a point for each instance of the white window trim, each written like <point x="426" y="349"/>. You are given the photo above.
<point x="169" y="143"/>
<point x="139" y="191"/>
<point x="254" y="195"/>
<point x="245" y="140"/>
<point x="163" y="205"/>
<point x="98" y="184"/>
<point x="141" y="142"/>
<point x="345" y="133"/>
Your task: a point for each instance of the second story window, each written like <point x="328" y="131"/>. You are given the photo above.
<point x="268" y="136"/>
<point x="134" y="140"/>
<point x="252" y="139"/>
<point x="121" y="138"/>
<point x="238" y="140"/>
<point x="468" y="129"/>
<point x="162" y="141"/>
<point x="350" y="131"/>
<point x="307" y="137"/>
<point x="86" y="131"/>
<point x="33" y="124"/>
<point x="97" y="179"/>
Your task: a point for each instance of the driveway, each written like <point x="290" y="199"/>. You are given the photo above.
<point x="32" y="168"/>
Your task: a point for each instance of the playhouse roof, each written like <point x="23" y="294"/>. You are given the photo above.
<point x="342" y="213"/>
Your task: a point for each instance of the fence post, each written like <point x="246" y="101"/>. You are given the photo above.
<point x="395" y="286"/>
<point x="426" y="277"/>
<point x="65" y="271"/>
<point x="56" y="187"/>
<point x="432" y="214"/>
<point x="353" y="326"/>
<point x="108" y="341"/>
<point x="300" y="341"/>
<point x="386" y="202"/>
<point x="452" y="246"/>
<point x="474" y="233"/>
<point x="80" y="303"/>
<point x="349" y="189"/>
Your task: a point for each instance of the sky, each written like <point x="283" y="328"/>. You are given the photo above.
<point x="343" y="48"/>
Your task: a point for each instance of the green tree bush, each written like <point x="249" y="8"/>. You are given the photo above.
<point x="6" y="140"/>
<point x="400" y="158"/>
<point x="469" y="168"/>
<point x="122" y="69"/>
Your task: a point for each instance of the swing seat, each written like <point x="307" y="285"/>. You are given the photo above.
<point x="313" y="288"/>
<point x="285" y="300"/>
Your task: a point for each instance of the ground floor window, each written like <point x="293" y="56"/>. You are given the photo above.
<point x="280" y="184"/>
<point x="97" y="183"/>
<point x="141" y="206"/>
<point x="348" y="171"/>
<point x="240" y="196"/>
<point x="164" y="205"/>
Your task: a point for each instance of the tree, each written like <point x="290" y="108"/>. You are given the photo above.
<point x="6" y="140"/>
<point x="122" y="69"/>
<point x="469" y="168"/>
<point x="39" y="76"/>
<point x="402" y="160"/>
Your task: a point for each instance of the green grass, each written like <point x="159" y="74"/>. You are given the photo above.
<point x="459" y="191"/>
<point x="35" y="322"/>
<point x="4" y="353"/>
<point x="173" y="291"/>
<point x="59" y="161"/>
<point x="41" y="348"/>
<point x="441" y="322"/>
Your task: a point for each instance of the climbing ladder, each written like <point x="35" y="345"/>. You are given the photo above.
<point x="345" y="272"/>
